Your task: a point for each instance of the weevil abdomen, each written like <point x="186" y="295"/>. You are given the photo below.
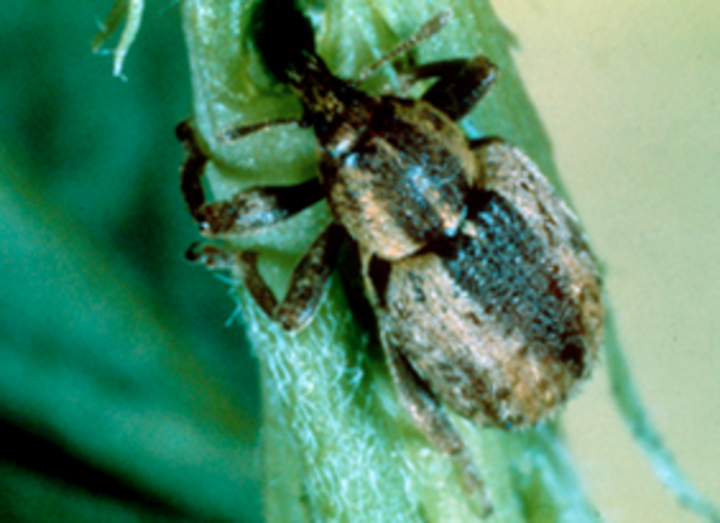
<point x="501" y="321"/>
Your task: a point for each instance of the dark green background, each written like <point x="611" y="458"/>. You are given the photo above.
<point x="113" y="353"/>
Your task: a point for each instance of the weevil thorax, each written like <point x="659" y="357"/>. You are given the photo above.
<point x="395" y="170"/>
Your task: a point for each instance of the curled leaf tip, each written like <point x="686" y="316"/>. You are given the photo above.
<point x="133" y="10"/>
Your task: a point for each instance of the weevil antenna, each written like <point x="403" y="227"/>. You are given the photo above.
<point x="430" y="28"/>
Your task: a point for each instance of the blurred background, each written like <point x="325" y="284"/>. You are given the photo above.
<point x="630" y="95"/>
<point x="123" y="395"/>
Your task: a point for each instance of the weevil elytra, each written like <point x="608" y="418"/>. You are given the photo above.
<point x="486" y="295"/>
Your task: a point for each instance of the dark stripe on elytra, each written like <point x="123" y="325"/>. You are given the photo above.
<point x="529" y="295"/>
<point x="404" y="199"/>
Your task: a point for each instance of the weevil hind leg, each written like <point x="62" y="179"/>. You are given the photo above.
<point x="308" y="282"/>
<point x="310" y="278"/>
<point x="249" y="210"/>
<point x="430" y="418"/>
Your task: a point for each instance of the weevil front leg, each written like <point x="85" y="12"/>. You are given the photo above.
<point x="461" y="83"/>
<point x="249" y="210"/>
<point x="307" y="284"/>
<point x="256" y="208"/>
<point x="430" y="418"/>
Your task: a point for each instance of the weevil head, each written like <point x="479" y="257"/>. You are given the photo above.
<point x="336" y="111"/>
<point x="332" y="107"/>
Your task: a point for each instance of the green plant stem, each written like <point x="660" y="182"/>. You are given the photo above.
<point x="336" y="444"/>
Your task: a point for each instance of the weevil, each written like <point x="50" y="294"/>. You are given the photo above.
<point x="486" y="294"/>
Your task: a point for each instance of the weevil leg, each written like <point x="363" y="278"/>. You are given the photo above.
<point x="238" y="132"/>
<point x="429" y="416"/>
<point x="192" y="168"/>
<point x="310" y="278"/>
<point x="256" y="208"/>
<point x="461" y="83"/>
<point x="307" y="284"/>
<point x="249" y="210"/>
